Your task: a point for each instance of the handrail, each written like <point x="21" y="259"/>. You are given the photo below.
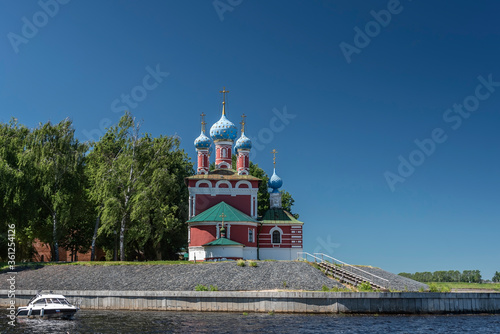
<point x="347" y="264"/>
<point x="307" y="254"/>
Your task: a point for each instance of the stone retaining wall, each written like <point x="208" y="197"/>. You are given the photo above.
<point x="282" y="301"/>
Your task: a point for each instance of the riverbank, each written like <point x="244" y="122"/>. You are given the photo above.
<point x="225" y="276"/>
<point x="278" y="302"/>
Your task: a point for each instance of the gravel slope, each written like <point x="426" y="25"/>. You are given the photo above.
<point x="225" y="275"/>
<point x="396" y="282"/>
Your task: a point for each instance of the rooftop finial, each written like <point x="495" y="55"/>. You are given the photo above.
<point x="223" y="229"/>
<point x="242" y="123"/>
<point x="274" y="156"/>
<point x="203" y="123"/>
<point x="224" y="91"/>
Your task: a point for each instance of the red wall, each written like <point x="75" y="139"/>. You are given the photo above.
<point x="286" y="237"/>
<point x="239" y="233"/>
<point x="192" y="183"/>
<point x="42" y="253"/>
<point x="203" y="234"/>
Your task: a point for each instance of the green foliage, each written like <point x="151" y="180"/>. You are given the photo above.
<point x="42" y="173"/>
<point x="433" y="287"/>
<point x="245" y="313"/>
<point x="241" y="263"/>
<point x="138" y="184"/>
<point x="127" y="188"/>
<point x="337" y="289"/>
<point x="284" y="284"/>
<point x="200" y="287"/>
<point x="445" y="289"/>
<point x="252" y="263"/>
<point x="470" y="276"/>
<point x="365" y="287"/>
<point x="325" y="288"/>
<point x="496" y="277"/>
<point x="263" y="193"/>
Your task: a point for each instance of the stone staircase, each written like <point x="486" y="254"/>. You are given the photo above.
<point x="346" y="273"/>
<point x="346" y="276"/>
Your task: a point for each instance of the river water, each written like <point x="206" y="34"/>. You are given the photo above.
<point x="87" y="321"/>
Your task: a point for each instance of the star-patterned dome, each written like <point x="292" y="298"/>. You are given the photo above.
<point x="243" y="143"/>
<point x="202" y="141"/>
<point x="224" y="129"/>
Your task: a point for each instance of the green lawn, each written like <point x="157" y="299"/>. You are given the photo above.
<point x="4" y="266"/>
<point x="478" y="286"/>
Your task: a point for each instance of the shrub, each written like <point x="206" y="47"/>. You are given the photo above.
<point x="365" y="286"/>
<point x="284" y="284"/>
<point x="240" y="263"/>
<point x="445" y="289"/>
<point x="433" y="287"/>
<point x="200" y="287"/>
<point x="325" y="288"/>
<point x="252" y="263"/>
<point x="213" y="288"/>
<point x="245" y="313"/>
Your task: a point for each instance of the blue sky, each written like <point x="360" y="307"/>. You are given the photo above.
<point x="342" y="121"/>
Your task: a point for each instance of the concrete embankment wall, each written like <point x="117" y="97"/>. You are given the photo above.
<point x="283" y="301"/>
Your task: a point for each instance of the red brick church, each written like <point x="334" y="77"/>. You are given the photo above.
<point x="223" y="221"/>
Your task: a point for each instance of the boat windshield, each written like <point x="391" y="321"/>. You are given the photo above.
<point x="56" y="301"/>
<point x="40" y="301"/>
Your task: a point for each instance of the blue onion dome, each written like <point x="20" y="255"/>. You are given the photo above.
<point x="224" y="129"/>
<point x="202" y="141"/>
<point x="275" y="182"/>
<point x="243" y="143"/>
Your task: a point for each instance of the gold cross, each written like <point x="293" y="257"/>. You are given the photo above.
<point x="223" y="216"/>
<point x="274" y="156"/>
<point x="203" y="122"/>
<point x="224" y="91"/>
<point x="243" y="123"/>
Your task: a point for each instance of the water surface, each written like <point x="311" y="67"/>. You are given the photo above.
<point x="88" y="321"/>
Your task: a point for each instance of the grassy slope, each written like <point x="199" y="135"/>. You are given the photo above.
<point x="477" y="286"/>
<point x="5" y="267"/>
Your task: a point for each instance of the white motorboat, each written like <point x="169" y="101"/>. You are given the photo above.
<point x="47" y="306"/>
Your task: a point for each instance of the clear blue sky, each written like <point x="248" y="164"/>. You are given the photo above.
<point x="350" y="118"/>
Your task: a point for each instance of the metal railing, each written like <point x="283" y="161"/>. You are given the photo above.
<point x="351" y="266"/>
<point x="305" y="255"/>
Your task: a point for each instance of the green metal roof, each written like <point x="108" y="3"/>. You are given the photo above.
<point x="223" y="242"/>
<point x="279" y="216"/>
<point x="214" y="214"/>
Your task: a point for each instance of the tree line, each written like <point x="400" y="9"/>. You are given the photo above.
<point x="468" y="276"/>
<point x="124" y="193"/>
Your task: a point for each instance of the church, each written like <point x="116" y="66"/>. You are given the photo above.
<point x="223" y="221"/>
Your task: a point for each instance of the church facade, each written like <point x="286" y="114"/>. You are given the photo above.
<point x="223" y="217"/>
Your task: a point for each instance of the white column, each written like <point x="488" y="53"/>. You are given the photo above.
<point x="194" y="205"/>
<point x="190" y="207"/>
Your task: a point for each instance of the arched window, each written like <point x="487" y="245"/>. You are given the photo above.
<point x="276" y="237"/>
<point x="224" y="153"/>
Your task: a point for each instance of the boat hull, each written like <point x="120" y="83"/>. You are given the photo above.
<point x="47" y="313"/>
